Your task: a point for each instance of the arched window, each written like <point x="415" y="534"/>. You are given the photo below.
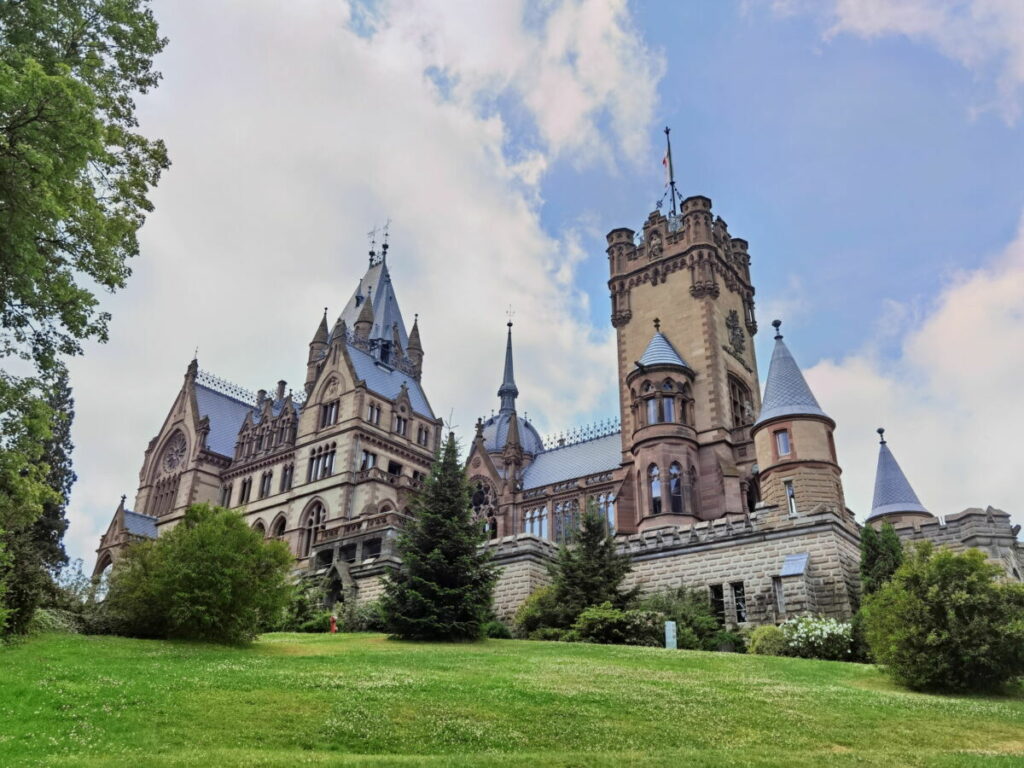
<point x="654" y="485"/>
<point x="280" y="526"/>
<point x="652" y="411"/>
<point x="260" y="528"/>
<point x="567" y="521"/>
<point x="675" y="488"/>
<point x="606" y="509"/>
<point x="535" y="522"/>
<point x="668" y="409"/>
<point x="312" y="524"/>
<point x="686" y="405"/>
<point x="742" y="403"/>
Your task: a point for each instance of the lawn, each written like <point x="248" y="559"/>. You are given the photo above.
<point x="362" y="700"/>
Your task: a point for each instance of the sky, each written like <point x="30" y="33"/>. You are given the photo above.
<point x="871" y="152"/>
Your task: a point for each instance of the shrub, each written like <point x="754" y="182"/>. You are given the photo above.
<point x="730" y="641"/>
<point x="767" y="640"/>
<point x="319" y="622"/>
<point x="947" y="622"/>
<point x="547" y="633"/>
<point x="54" y="621"/>
<point x="210" y="578"/>
<point x="612" y="626"/>
<point x="539" y="610"/>
<point x="497" y="629"/>
<point x="365" y="617"/>
<point x="696" y="625"/>
<point x="815" y="637"/>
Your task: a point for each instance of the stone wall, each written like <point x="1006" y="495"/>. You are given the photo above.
<point x="522" y="562"/>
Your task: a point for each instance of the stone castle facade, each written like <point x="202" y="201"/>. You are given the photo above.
<point x="703" y="480"/>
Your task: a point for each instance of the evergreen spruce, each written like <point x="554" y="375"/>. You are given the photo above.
<point x="48" y="529"/>
<point x="880" y="555"/>
<point x="442" y="590"/>
<point x="591" y="571"/>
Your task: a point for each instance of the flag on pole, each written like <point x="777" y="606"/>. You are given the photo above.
<point x="666" y="163"/>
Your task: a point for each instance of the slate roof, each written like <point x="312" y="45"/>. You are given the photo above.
<point x="496" y="434"/>
<point x="387" y="381"/>
<point x="602" y="454"/>
<point x="377" y="284"/>
<point x="892" y="489"/>
<point x="786" y="392"/>
<point x="794" y="565"/>
<point x="226" y="415"/>
<point x="140" y="525"/>
<point x="661" y="352"/>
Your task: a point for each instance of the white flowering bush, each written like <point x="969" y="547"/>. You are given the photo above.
<point x="814" y="637"/>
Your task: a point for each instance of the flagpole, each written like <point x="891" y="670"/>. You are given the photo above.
<point x="671" y="172"/>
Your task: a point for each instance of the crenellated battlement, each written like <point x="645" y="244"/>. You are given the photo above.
<point x="990" y="530"/>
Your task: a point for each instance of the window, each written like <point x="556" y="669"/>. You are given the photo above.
<point x="606" y="509"/>
<point x="260" y="528"/>
<point x="717" y="594"/>
<point x="567" y="521"/>
<point x="668" y="408"/>
<point x="790" y="497"/>
<point x="780" y="597"/>
<point x="394" y="468"/>
<point x="265" y="481"/>
<point x="279" y="528"/>
<point x="686" y="407"/>
<point x="675" y="488"/>
<point x="782" y="442"/>
<point x="418" y="477"/>
<point x="739" y="599"/>
<point x="423" y="436"/>
<point x="401" y="425"/>
<point x="369" y="461"/>
<point x="287" y="475"/>
<point x="313" y="523"/>
<point x="371" y="548"/>
<point x="654" y="484"/>
<point x="373" y="414"/>
<point x="245" y="490"/>
<point x="652" y="411"/>
<point x="225" y="495"/>
<point x="321" y="462"/>
<point x="536" y="522"/>
<point x="328" y="414"/>
<point x="742" y="403"/>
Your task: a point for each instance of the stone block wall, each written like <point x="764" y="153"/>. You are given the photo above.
<point x="522" y="562"/>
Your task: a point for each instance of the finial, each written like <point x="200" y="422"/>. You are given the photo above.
<point x="509" y="313"/>
<point x="776" y="324"/>
<point x="384" y="247"/>
<point x="881" y="435"/>
<point x="657" y="324"/>
<point x="123" y="497"/>
<point x="195" y="355"/>
<point x="479" y="427"/>
<point x="416" y="318"/>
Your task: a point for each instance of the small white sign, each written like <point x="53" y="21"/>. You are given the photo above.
<point x="670" y="635"/>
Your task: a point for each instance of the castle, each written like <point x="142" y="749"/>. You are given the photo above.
<point x="703" y="481"/>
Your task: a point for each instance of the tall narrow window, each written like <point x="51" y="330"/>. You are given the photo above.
<point x="782" y="442"/>
<point x="668" y="409"/>
<point x="606" y="509"/>
<point x="790" y="497"/>
<point x="780" y="596"/>
<point x="373" y="414"/>
<point x="312" y="525"/>
<point x="739" y="599"/>
<point x="329" y="414"/>
<point x="654" y="485"/>
<point x="742" y="403"/>
<point x="401" y="425"/>
<point x="369" y="461"/>
<point x="675" y="488"/>
<point x="279" y="528"/>
<point x="225" y="495"/>
<point x="566" y="521"/>
<point x="535" y="522"/>
<point x="717" y="595"/>
<point x="652" y="411"/>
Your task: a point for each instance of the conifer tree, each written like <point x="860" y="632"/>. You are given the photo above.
<point x="443" y="588"/>
<point x="880" y="555"/>
<point x="591" y="571"/>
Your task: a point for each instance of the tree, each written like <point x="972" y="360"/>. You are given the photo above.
<point x="590" y="572"/>
<point x="880" y="555"/>
<point x="443" y="588"/>
<point x="210" y="578"/>
<point x="947" y="621"/>
<point x="74" y="174"/>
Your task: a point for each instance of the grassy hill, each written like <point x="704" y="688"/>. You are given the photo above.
<point x="362" y="700"/>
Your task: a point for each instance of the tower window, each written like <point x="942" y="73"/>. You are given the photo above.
<point x="782" y="442"/>
<point x="739" y="599"/>
<point x="742" y="403"/>
<point x="328" y="414"/>
<point x="790" y="497"/>
<point x="675" y="488"/>
<point x="654" y="484"/>
<point x="652" y="411"/>
<point x="287" y="473"/>
<point x="668" y="409"/>
<point x="369" y="461"/>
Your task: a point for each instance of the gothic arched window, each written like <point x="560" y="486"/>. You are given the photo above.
<point x="675" y="488"/>
<point x="535" y="522"/>
<point x="260" y="528"/>
<point x="606" y="509"/>
<point x="654" y="485"/>
<point x="567" y="521"/>
<point x="280" y="526"/>
<point x="312" y="524"/>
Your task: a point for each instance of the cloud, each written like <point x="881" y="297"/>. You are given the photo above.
<point x="949" y="400"/>
<point x="292" y="134"/>
<point x="986" y="36"/>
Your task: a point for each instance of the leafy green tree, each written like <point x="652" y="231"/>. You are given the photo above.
<point x="880" y="555"/>
<point x="74" y="173"/>
<point x="947" y="621"/>
<point x="443" y="588"/>
<point x="210" y="578"/>
<point x="590" y="572"/>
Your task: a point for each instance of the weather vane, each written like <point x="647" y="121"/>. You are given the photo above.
<point x="510" y="313"/>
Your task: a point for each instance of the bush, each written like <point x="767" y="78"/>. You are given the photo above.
<point x="729" y="641"/>
<point x="539" y="610"/>
<point x="367" y="617"/>
<point x="815" y="637"/>
<point x="210" y="578"/>
<point x="54" y="621"/>
<point x="497" y="630"/>
<point x="767" y="640"/>
<point x="947" y="622"/>
<point x="548" y="633"/>
<point x="320" y="622"/>
<point x="612" y="626"/>
<point x="696" y="625"/>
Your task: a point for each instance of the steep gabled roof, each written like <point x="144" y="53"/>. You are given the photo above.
<point x="387" y="381"/>
<point x="893" y="493"/>
<point x="140" y="525"/>
<point x="226" y="415"/>
<point x="661" y="352"/>
<point x="786" y="392"/>
<point x="602" y="454"/>
<point x="376" y="286"/>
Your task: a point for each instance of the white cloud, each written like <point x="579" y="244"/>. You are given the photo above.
<point x="291" y="135"/>
<point x="950" y="401"/>
<point x="986" y="36"/>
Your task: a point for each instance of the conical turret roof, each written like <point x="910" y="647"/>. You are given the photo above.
<point x="508" y="391"/>
<point x="893" y="493"/>
<point x="414" y="336"/>
<point x="786" y="392"/>
<point x="661" y="352"/>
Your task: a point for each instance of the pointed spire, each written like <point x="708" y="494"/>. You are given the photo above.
<point x="508" y="392"/>
<point x="785" y="391"/>
<point x="320" y="337"/>
<point x="414" y="336"/>
<point x="512" y="441"/>
<point x="364" y="322"/>
<point x="893" y="492"/>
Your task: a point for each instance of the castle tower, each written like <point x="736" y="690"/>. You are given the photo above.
<point x="687" y="271"/>
<point x="894" y="499"/>
<point x="508" y="437"/>
<point x="796" y="452"/>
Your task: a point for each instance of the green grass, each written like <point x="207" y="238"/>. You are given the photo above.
<point x="361" y="700"/>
